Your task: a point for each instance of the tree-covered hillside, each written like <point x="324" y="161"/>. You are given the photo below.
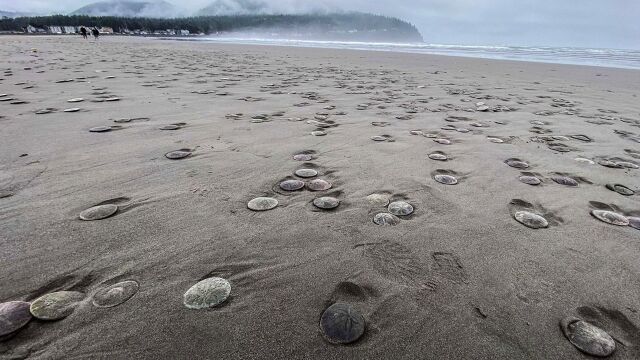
<point x="343" y="26"/>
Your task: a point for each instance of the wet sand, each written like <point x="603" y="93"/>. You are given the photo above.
<point x="457" y="278"/>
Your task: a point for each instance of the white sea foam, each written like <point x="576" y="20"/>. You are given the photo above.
<point x="618" y="58"/>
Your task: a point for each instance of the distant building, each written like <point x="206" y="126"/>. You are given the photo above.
<point x="106" y="30"/>
<point x="183" y="32"/>
<point x="69" y="29"/>
<point x="34" y="30"/>
<point x="55" y="29"/>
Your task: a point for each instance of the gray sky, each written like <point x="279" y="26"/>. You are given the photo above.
<point x="583" y="23"/>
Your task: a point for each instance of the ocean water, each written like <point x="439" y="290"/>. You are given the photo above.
<point x="618" y="58"/>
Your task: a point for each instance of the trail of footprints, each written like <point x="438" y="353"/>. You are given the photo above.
<point x="594" y="331"/>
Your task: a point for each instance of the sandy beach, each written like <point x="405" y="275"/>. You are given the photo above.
<point x="457" y="278"/>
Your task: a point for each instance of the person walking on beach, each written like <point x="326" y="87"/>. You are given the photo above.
<point x="95" y="33"/>
<point x="83" y="31"/>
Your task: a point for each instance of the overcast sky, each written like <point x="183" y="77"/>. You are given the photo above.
<point x="584" y="23"/>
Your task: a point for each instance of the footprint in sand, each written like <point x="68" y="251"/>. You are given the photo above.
<point x="396" y="262"/>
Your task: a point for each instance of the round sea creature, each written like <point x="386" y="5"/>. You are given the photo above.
<point x="620" y="189"/>
<point x="342" y="324"/>
<point x="170" y="127"/>
<point x="378" y="199"/>
<point x="438" y="157"/>
<point x="100" y="129"/>
<point x="318" y="185"/>
<point x="626" y="164"/>
<point x="115" y="294"/>
<point x="55" y="305"/>
<point x="386" y="219"/>
<point x="326" y="202"/>
<point x="75" y="100"/>
<point x="565" y="180"/>
<point x="13" y="316"/>
<point x="531" y="220"/>
<point x="445" y="179"/>
<point x="400" y="208"/>
<point x="318" y="133"/>
<point x="379" y="138"/>
<point x="530" y="180"/>
<point x="291" y="185"/>
<point x="306" y="173"/>
<point x="515" y="163"/>
<point x="609" y="163"/>
<point x="495" y="140"/>
<point x="177" y="154"/>
<point x="302" y="157"/>
<point x="99" y="212"/>
<point x="583" y="160"/>
<point x="588" y="338"/>
<point x="610" y="217"/>
<point x="442" y="141"/>
<point x="207" y="293"/>
<point x="262" y="204"/>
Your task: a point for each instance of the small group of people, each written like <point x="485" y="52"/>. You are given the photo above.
<point x="94" y="32"/>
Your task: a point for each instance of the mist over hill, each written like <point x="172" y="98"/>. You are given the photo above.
<point x="235" y="7"/>
<point x="130" y="8"/>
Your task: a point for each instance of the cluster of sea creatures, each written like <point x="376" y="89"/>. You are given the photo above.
<point x="340" y="323"/>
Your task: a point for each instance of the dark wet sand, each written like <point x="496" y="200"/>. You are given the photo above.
<point x="459" y="278"/>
